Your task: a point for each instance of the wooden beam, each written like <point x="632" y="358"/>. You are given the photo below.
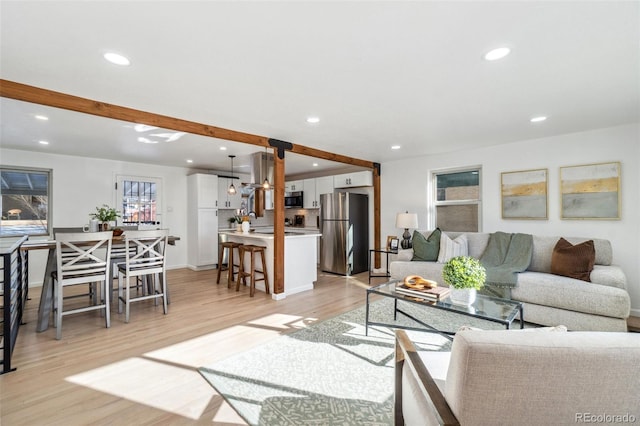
<point x="23" y="92"/>
<point x="376" y="215"/>
<point x="325" y="155"/>
<point x="278" y="224"/>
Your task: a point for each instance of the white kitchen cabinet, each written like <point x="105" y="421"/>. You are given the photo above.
<point x="225" y="200"/>
<point x="202" y="221"/>
<point x="324" y="185"/>
<point x="294" y="185"/>
<point x="268" y="199"/>
<point x="203" y="190"/>
<point x="309" y="197"/>
<point x="351" y="180"/>
<point x="313" y="188"/>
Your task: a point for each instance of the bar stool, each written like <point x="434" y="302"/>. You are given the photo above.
<point x="229" y="246"/>
<point x="242" y="274"/>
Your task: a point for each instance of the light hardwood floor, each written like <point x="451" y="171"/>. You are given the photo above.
<point x="145" y="372"/>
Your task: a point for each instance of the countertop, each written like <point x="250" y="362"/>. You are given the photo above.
<point x="268" y="234"/>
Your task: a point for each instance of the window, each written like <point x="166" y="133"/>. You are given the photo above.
<point x="457" y="199"/>
<point x="139" y="200"/>
<point x="25" y="201"/>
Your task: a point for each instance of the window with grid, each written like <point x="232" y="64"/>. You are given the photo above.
<point x="139" y="200"/>
<point x="25" y="201"/>
<point x="457" y="199"/>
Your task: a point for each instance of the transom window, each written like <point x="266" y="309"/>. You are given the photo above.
<point x="457" y="199"/>
<point x="26" y="195"/>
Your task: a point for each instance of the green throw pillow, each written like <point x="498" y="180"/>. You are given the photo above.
<point x="426" y="249"/>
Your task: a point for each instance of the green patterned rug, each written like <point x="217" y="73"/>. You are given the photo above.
<point x="329" y="373"/>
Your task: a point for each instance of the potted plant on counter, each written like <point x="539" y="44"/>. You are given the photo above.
<point x="105" y="215"/>
<point x="465" y="275"/>
<point x="238" y="222"/>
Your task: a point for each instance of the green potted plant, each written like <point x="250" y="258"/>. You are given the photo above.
<point x="237" y="220"/>
<point x="465" y="275"/>
<point x="105" y="214"/>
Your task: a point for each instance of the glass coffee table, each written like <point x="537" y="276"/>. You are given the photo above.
<point x="488" y="308"/>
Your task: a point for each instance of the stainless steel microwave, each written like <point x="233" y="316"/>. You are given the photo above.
<point x="293" y="200"/>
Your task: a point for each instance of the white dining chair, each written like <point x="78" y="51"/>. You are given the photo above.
<point x="82" y="258"/>
<point x="148" y="260"/>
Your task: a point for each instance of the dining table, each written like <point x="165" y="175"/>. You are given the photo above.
<point x="46" y="297"/>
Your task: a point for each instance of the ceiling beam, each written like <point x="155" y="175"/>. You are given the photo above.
<point x="24" y="92"/>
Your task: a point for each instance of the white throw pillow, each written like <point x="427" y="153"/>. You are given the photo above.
<point x="451" y="248"/>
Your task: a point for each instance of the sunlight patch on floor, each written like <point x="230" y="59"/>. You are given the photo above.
<point x="283" y="321"/>
<point x="214" y="346"/>
<point x="145" y="382"/>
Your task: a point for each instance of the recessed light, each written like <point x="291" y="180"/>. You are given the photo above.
<point x="42" y="117"/>
<point x="496" y="54"/>
<point x="189" y="161"/>
<point x="395" y="147"/>
<point x="116" y="58"/>
<point x="313" y="120"/>
<point x="43" y="142"/>
<point x="223" y="148"/>
<point x="315" y="164"/>
<point x="538" y="119"/>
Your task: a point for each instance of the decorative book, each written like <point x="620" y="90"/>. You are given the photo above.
<point x="434" y="293"/>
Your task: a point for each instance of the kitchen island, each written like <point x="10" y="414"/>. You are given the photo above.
<point x="300" y="255"/>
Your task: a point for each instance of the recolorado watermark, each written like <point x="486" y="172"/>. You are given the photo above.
<point x="605" y="418"/>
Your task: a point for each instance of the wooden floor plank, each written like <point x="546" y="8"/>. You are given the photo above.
<point x="144" y="372"/>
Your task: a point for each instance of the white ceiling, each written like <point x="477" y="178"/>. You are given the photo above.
<point x="375" y="73"/>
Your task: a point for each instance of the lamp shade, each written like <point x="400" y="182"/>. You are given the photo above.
<point x="407" y="220"/>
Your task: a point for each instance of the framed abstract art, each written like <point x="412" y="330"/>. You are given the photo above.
<point x="524" y="194"/>
<point x="590" y="191"/>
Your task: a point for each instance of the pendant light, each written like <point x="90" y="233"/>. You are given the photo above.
<point x="266" y="184"/>
<point x="232" y="189"/>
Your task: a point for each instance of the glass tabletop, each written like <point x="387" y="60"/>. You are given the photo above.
<point x="485" y="307"/>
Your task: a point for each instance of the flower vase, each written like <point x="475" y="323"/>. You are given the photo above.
<point x="245" y="227"/>
<point x="239" y="227"/>
<point x="462" y="296"/>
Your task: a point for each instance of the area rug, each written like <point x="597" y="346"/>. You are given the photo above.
<point x="329" y="373"/>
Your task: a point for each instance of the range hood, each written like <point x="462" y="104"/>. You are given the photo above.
<point x="261" y="168"/>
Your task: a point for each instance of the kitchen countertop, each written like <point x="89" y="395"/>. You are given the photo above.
<point x="268" y="234"/>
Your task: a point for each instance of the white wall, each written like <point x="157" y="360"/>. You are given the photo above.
<point x="620" y="143"/>
<point x="80" y="184"/>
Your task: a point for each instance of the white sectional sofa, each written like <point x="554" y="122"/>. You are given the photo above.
<point x="600" y="305"/>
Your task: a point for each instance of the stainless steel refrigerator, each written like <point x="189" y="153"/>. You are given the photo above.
<point x="344" y="225"/>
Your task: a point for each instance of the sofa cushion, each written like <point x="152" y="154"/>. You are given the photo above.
<point x="570" y="294"/>
<point x="426" y="249"/>
<point x="451" y="248"/>
<point x="574" y="261"/>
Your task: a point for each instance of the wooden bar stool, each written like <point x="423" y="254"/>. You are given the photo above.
<point x="229" y="246"/>
<point x="242" y="274"/>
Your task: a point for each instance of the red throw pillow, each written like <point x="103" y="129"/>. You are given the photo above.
<point x="573" y="261"/>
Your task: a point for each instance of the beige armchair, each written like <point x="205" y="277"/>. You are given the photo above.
<point x="520" y="377"/>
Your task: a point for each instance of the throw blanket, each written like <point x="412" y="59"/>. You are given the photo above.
<point x="506" y="255"/>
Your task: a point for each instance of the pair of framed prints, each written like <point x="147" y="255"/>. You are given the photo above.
<point x="590" y="191"/>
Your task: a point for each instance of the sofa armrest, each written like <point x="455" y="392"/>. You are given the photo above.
<point x="408" y="362"/>
<point x="611" y="275"/>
